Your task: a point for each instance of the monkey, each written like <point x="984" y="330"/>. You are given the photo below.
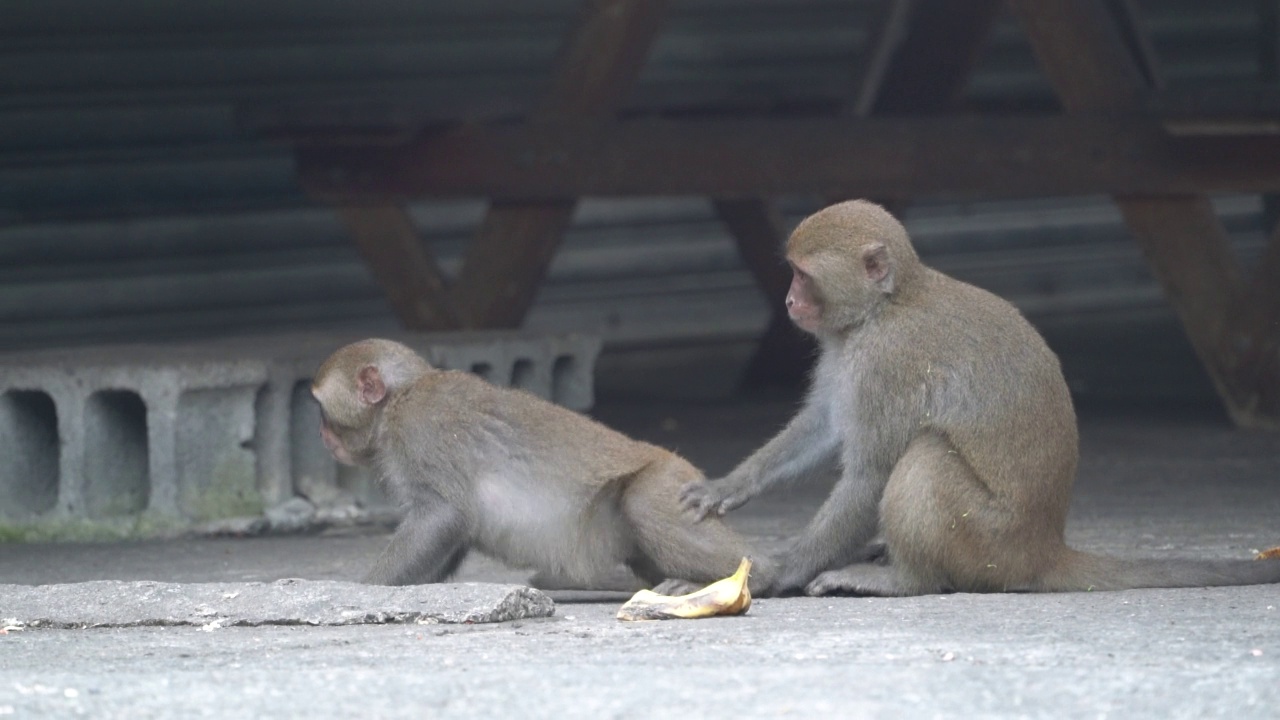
<point x="948" y="423"/>
<point x="514" y="476"/>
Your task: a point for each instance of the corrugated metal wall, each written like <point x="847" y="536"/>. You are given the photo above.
<point x="139" y="200"/>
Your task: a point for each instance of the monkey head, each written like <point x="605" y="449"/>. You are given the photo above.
<point x="353" y="387"/>
<point x="846" y="261"/>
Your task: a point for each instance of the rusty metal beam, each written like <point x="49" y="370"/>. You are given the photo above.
<point x="960" y="157"/>
<point x="1082" y="48"/>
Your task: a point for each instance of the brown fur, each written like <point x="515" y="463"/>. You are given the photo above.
<point x="949" y="422"/>
<point x="512" y="475"/>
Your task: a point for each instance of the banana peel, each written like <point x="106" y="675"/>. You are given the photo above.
<point x="729" y="596"/>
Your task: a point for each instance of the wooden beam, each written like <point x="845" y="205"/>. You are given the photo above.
<point x="757" y="226"/>
<point x="401" y="265"/>
<point x="932" y="62"/>
<point x="1269" y="73"/>
<point x="1187" y="249"/>
<point x="601" y="57"/>
<point x="891" y="78"/>
<point x="512" y="251"/>
<point x="1082" y="49"/>
<point x="784" y="352"/>
<point x="1141" y="51"/>
<point x="507" y="260"/>
<point x="1254" y="343"/>
<point x="887" y="29"/>
<point x="960" y="157"/>
<point x="1268" y="40"/>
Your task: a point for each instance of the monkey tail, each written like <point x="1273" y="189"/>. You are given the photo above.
<point x="1078" y="571"/>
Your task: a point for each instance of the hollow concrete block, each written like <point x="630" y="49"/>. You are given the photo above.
<point x="182" y="434"/>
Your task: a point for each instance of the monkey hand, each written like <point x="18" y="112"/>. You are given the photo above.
<point x="703" y="497"/>
<point x="788" y="584"/>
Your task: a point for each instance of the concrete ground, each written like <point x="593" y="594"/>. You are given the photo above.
<point x="1152" y="483"/>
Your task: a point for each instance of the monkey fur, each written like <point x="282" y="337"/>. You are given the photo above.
<point x="949" y="423"/>
<point x="514" y="476"/>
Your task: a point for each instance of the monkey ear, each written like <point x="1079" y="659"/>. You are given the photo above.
<point x="369" y="385"/>
<point x="875" y="262"/>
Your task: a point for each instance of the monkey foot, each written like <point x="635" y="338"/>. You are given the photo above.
<point x="864" y="579"/>
<point x="674" y="586"/>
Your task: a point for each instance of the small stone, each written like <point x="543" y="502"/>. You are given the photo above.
<point x="233" y="527"/>
<point x="285" y="602"/>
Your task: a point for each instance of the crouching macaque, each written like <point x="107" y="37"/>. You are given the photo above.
<point x="519" y="478"/>
<point x="949" y="423"/>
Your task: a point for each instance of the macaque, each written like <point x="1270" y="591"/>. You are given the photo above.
<point x="514" y="476"/>
<point x="949" y="423"/>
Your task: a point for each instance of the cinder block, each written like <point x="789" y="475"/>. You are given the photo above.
<point x="107" y="452"/>
<point x="116" y="457"/>
<point x="28" y="453"/>
<point x="131" y="440"/>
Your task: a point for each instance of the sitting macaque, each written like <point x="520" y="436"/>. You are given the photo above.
<point x="949" y="423"/>
<point x="514" y="476"/>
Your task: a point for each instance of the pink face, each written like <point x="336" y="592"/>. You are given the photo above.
<point x="802" y="300"/>
<point x="335" y="445"/>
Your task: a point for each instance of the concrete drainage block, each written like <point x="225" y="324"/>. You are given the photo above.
<point x="135" y="441"/>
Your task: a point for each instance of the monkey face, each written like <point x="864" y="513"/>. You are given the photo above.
<point x="353" y="388"/>
<point x="334" y="444"/>
<point x="346" y="430"/>
<point x="803" y="304"/>
<point x="848" y="259"/>
<point x="348" y="410"/>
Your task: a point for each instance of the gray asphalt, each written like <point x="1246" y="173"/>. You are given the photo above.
<point x="1151" y="484"/>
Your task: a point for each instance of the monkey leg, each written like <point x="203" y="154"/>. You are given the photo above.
<point x="840" y="534"/>
<point x="672" y="550"/>
<point x="807" y="446"/>
<point x="427" y="547"/>
<point x="863" y="579"/>
<point x="946" y="529"/>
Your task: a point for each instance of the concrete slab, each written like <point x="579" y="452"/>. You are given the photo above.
<point x="154" y="440"/>
<point x="110" y="603"/>
<point x="1157" y="484"/>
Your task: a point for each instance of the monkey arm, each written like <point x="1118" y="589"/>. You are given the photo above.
<point x="807" y="445"/>
<point x="427" y="547"/>
<point x="837" y="536"/>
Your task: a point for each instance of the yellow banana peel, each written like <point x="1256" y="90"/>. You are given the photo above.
<point x="729" y="596"/>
